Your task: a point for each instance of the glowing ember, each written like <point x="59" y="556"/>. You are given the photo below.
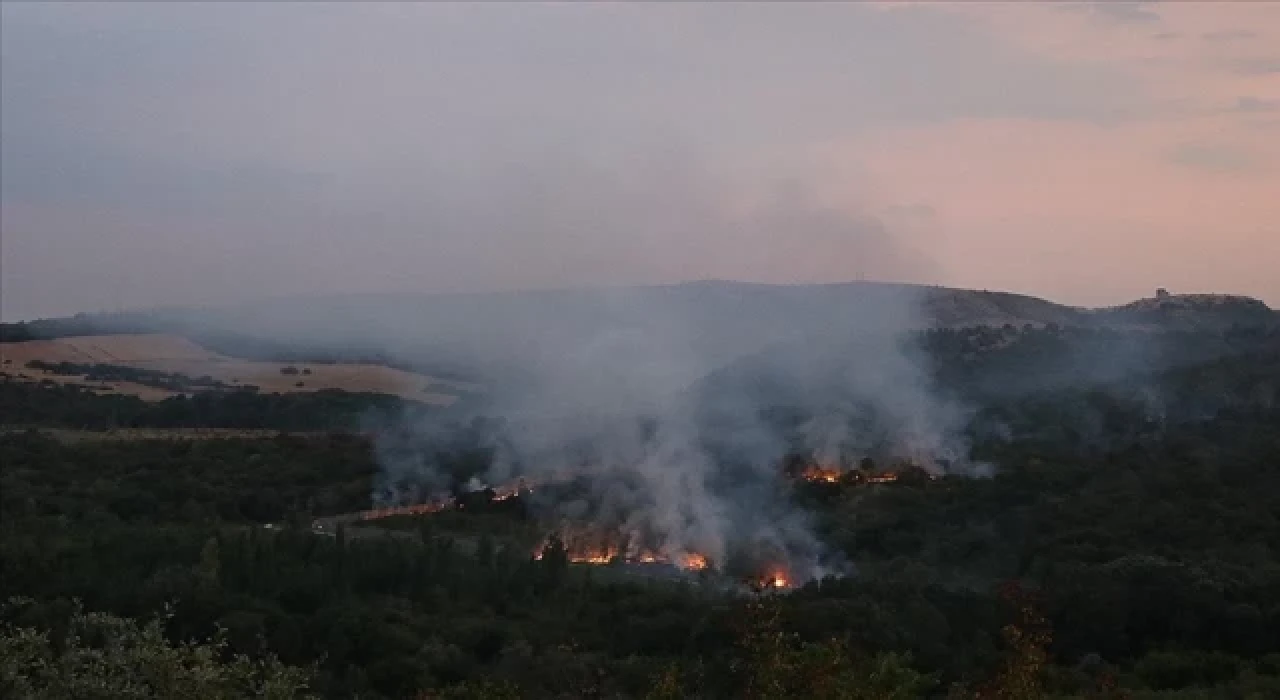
<point x="693" y="562"/>
<point x="500" y="493"/>
<point x="416" y="509"/>
<point x="815" y="472"/>
<point x="579" y="553"/>
<point x="601" y="558"/>
<point x="774" y="580"/>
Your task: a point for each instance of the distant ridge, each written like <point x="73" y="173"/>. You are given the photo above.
<point x="942" y="306"/>
<point x="1189" y="312"/>
<point x="1164" y="311"/>
<point x="964" y="307"/>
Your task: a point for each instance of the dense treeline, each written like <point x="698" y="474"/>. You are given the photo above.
<point x="105" y="656"/>
<point x="381" y="615"/>
<point x="985" y="362"/>
<point x="286" y="478"/>
<point x="66" y="406"/>
<point x="1127" y="544"/>
<point x="98" y="372"/>
<point x="80" y="324"/>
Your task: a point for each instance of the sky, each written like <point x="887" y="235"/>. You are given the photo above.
<point x="176" y="154"/>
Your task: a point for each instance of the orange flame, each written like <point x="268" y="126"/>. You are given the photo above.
<point x="416" y="509"/>
<point x="500" y="493"/>
<point x="692" y="561"/>
<point x="776" y="580"/>
<point x="593" y="558"/>
<point x="597" y="554"/>
<point x="815" y="472"/>
<point x="832" y="475"/>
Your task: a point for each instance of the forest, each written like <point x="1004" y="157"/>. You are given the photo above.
<point x="1127" y="545"/>
<point x="99" y="372"/>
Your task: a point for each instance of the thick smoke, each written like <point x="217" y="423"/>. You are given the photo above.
<point x="673" y="408"/>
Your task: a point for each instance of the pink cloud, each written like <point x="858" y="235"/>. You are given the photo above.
<point x="1183" y="196"/>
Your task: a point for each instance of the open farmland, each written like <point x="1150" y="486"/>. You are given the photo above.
<point x="177" y="355"/>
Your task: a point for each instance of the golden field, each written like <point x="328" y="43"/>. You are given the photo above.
<point x="178" y="355"/>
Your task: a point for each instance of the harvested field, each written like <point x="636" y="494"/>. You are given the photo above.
<point x="178" y="355"/>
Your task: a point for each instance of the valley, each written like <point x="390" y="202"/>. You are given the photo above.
<point x="392" y="545"/>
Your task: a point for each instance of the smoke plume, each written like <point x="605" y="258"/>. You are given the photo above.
<point x="673" y="407"/>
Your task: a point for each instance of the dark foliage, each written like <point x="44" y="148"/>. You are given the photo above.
<point x="64" y="406"/>
<point x="1140" y="520"/>
<point x="171" y="381"/>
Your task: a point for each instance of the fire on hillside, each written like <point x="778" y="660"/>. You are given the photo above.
<point x="773" y="580"/>
<point x="812" y="472"/>
<point x="827" y="473"/>
<point x="587" y="547"/>
<point x="588" y="539"/>
<point x="497" y="494"/>
<point x="818" y="472"/>
<point x="758" y="573"/>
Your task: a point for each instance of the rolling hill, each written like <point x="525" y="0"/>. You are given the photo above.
<point x="427" y="347"/>
<point x="84" y="360"/>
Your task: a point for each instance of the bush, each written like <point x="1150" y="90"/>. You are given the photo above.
<point x="105" y="656"/>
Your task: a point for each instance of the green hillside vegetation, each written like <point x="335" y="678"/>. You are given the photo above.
<point x="1126" y="547"/>
<point x="65" y="406"/>
<point x="99" y="372"/>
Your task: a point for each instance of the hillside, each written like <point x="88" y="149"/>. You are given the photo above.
<point x="394" y="343"/>
<point x="960" y="308"/>
<point x="965" y="307"/>
<point x="156" y="366"/>
<point x="1105" y="521"/>
<point x="1189" y="312"/>
<point x="340" y="315"/>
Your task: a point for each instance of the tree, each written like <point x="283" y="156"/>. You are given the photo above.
<point x="485" y="551"/>
<point x="209" y="569"/>
<point x="1028" y="638"/>
<point x="109" y="658"/>
<point x="778" y="664"/>
<point x="555" y="560"/>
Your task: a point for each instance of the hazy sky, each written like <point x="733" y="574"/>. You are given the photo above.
<point x="182" y="153"/>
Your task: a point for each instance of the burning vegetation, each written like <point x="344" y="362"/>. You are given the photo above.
<point x="582" y="547"/>
<point x="579" y="544"/>
<point x="586" y="546"/>
<point x="866" y="472"/>
<point x="692" y="561"/>
<point x="817" y="472"/>
<point x="592" y="541"/>
<point x="506" y="492"/>
<point x="821" y="474"/>
<point x="777" y="579"/>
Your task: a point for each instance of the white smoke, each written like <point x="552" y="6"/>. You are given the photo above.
<point x="649" y="394"/>
<point x="676" y="400"/>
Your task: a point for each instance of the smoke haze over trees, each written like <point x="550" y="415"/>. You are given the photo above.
<point x="1114" y="504"/>
<point x="688" y="412"/>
